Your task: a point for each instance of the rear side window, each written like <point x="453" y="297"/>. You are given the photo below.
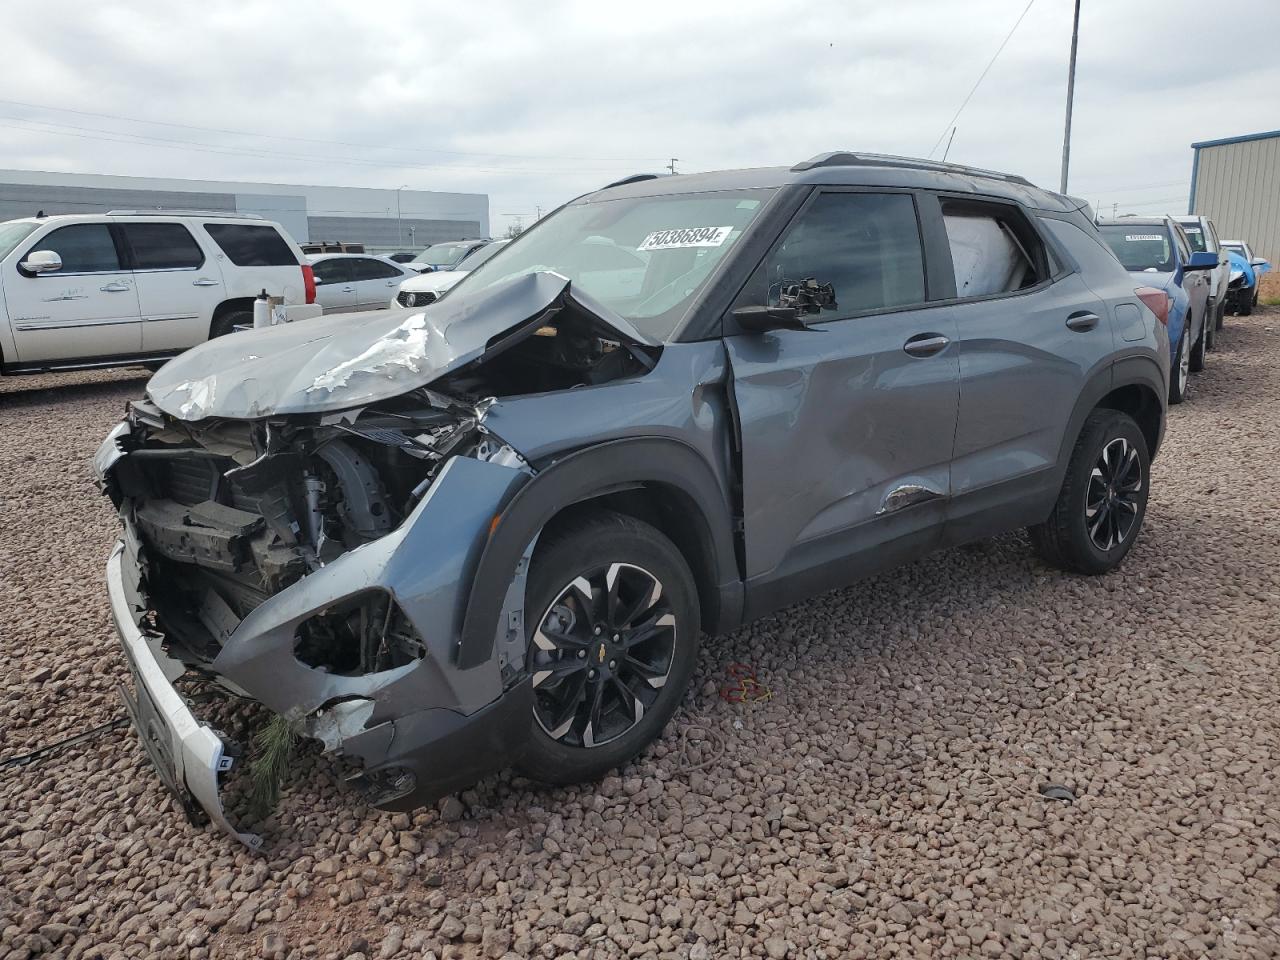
<point x="162" y="246"/>
<point x="337" y="270"/>
<point x="866" y="245"/>
<point x="83" y="247"/>
<point x="252" y="245"/>
<point x="994" y="249"/>
<point x="366" y="268"/>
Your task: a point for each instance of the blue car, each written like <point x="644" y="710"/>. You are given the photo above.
<point x="1156" y="252"/>
<point x="1246" y="271"/>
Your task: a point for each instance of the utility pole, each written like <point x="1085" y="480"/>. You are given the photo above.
<point x="1071" y="92"/>
<point x="672" y="165"/>
<point x="399" y="226"/>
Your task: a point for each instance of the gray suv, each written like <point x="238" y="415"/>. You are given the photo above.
<point x="490" y="531"/>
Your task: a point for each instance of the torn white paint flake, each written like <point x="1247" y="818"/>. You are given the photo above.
<point x="404" y="347"/>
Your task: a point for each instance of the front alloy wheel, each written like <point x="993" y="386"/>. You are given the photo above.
<point x="601" y="653"/>
<point x="613" y="646"/>
<point x="1113" y="493"/>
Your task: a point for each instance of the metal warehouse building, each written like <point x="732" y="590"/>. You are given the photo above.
<point x="1236" y="182"/>
<point x="384" y="220"/>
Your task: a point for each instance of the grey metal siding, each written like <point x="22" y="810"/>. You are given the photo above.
<point x="26" y="200"/>
<point x="1238" y="186"/>
<point x="383" y="232"/>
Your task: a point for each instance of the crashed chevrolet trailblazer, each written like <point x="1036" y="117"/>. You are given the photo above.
<point x="486" y="532"/>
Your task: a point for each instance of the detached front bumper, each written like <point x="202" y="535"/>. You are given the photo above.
<point x="189" y="756"/>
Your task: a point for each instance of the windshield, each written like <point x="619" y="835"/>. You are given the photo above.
<point x="1237" y="248"/>
<point x="12" y="234"/>
<point x="1140" y="247"/>
<point x="1195" y="236"/>
<point x="645" y="258"/>
<point x="477" y="257"/>
<point x="444" y="254"/>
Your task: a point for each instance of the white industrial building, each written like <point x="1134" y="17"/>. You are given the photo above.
<point x="383" y="220"/>
<point x="1236" y="182"/>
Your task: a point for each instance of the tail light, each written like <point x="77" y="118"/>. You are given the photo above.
<point x="1157" y="302"/>
<point x="309" y="282"/>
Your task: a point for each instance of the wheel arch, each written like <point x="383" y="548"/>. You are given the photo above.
<point x="227" y="306"/>
<point x="661" y="481"/>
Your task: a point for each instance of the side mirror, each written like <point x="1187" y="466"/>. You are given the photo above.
<point x="764" y="319"/>
<point x="1260" y="262"/>
<point x="42" y="261"/>
<point x="1202" y="260"/>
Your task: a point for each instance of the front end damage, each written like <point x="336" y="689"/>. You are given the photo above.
<point x="319" y="563"/>
<point x="315" y="570"/>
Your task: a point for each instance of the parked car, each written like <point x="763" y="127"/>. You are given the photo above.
<point x="421" y="289"/>
<point x="131" y="287"/>
<point x="1202" y="235"/>
<point x="443" y="541"/>
<point x="1155" y="250"/>
<point x="1245" y="275"/>
<point x="445" y="256"/>
<point x="356" y="281"/>
<point x="314" y="247"/>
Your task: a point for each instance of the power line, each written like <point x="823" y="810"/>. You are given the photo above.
<point x="337" y="143"/>
<point x="982" y="76"/>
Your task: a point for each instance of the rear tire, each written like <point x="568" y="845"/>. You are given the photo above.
<point x="1222" y="313"/>
<point x="1103" y="500"/>
<point x="1211" y="329"/>
<point x="227" y="321"/>
<point x="613" y="638"/>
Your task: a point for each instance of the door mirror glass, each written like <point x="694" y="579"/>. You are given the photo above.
<point x="1260" y="262"/>
<point x="1201" y="260"/>
<point x="42" y="261"/>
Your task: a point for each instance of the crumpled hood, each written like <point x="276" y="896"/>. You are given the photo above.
<point x="341" y="361"/>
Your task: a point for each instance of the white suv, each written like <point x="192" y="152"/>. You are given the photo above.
<point x="126" y="287"/>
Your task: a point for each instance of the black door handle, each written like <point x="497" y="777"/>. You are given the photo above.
<point x="925" y="344"/>
<point x="1082" y="321"/>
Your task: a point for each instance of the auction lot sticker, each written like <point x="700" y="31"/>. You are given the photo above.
<point x="685" y="237"/>
<point x="1143" y="236"/>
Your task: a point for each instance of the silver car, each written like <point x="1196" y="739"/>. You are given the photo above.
<point x="490" y="531"/>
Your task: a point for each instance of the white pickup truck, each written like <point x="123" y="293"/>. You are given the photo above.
<point x="131" y="287"/>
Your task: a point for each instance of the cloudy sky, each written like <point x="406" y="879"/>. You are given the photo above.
<point x="534" y="103"/>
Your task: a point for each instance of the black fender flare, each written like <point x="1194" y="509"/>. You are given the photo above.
<point x="1134" y="370"/>
<point x="580" y="476"/>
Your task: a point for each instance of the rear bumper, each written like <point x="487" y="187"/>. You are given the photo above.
<point x="189" y="756"/>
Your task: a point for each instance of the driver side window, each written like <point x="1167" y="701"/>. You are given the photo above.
<point x="866" y="245"/>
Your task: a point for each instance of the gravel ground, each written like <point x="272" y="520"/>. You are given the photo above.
<point x="883" y="802"/>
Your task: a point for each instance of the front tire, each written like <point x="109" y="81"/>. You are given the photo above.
<point x="1200" y="347"/>
<point x="1246" y="304"/>
<point x="1103" y="500"/>
<point x="1180" y="375"/>
<point x="613" y="638"/>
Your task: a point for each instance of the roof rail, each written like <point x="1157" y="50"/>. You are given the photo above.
<point x="845" y="158"/>
<point x="184" y="213"/>
<point x="634" y="178"/>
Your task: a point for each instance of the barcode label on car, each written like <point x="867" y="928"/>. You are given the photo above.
<point x="1144" y="236"/>
<point x="685" y="237"/>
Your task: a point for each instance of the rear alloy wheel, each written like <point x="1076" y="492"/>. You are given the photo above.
<point x="612" y="648"/>
<point x="1180" y="375"/>
<point x="1103" y="500"/>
